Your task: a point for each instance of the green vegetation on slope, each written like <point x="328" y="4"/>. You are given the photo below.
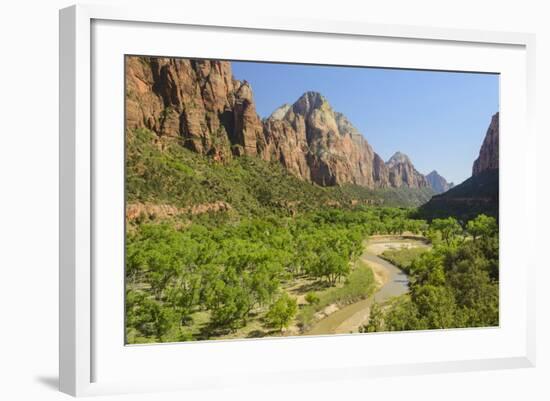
<point x="164" y="172"/>
<point x="477" y="195"/>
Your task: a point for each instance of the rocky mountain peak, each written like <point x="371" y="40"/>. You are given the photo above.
<point x="320" y="145"/>
<point x="346" y="127"/>
<point x="310" y="101"/>
<point x="398" y="158"/>
<point x="488" y="154"/>
<point x="402" y="172"/>
<point x="280" y="112"/>
<point x="438" y="183"/>
<point x="244" y="90"/>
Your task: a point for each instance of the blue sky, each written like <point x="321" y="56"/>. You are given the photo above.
<point x="439" y="119"/>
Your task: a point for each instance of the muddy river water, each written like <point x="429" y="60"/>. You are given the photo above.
<point x="395" y="282"/>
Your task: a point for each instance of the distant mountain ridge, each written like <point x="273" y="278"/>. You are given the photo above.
<point x="403" y="173"/>
<point x="438" y="183"/>
<point x="200" y="103"/>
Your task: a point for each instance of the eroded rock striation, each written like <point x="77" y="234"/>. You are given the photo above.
<point x="403" y="174"/>
<point x="488" y="154"/>
<point x="200" y="103"/>
<point x="320" y="145"/>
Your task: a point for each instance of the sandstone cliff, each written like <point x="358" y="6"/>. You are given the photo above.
<point x="200" y="103"/>
<point x="488" y="154"/>
<point x="318" y="144"/>
<point x="403" y="174"/>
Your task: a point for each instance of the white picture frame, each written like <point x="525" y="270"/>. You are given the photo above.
<point x="88" y="362"/>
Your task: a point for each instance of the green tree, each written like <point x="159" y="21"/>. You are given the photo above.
<point x="482" y="226"/>
<point x="436" y="306"/>
<point x="476" y="294"/>
<point x="428" y="268"/>
<point x="332" y="266"/>
<point x="376" y="319"/>
<point x="282" y="311"/>
<point x="231" y="299"/>
<point x="403" y="315"/>
<point x="448" y="229"/>
<point x="148" y="317"/>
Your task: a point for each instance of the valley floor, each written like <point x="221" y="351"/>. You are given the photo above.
<point x="341" y="318"/>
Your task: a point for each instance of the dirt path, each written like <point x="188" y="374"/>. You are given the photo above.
<point x="391" y="281"/>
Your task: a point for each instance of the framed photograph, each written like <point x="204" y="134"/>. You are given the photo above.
<point x="274" y="200"/>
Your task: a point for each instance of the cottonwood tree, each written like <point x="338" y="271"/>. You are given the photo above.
<point x="282" y="311"/>
<point x="482" y="226"/>
<point x="448" y="229"/>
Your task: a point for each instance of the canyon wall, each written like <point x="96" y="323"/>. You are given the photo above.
<point x="200" y="103"/>
<point x="488" y="154"/>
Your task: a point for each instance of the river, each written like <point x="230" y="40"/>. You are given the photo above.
<point x="392" y="280"/>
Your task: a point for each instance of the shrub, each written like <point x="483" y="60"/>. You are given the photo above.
<point x="312" y="298"/>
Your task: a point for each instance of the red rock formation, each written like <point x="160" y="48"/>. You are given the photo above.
<point x="403" y="174"/>
<point x="195" y="100"/>
<point x="136" y="211"/>
<point x="318" y="144"/>
<point x="199" y="102"/>
<point x="488" y="154"/>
